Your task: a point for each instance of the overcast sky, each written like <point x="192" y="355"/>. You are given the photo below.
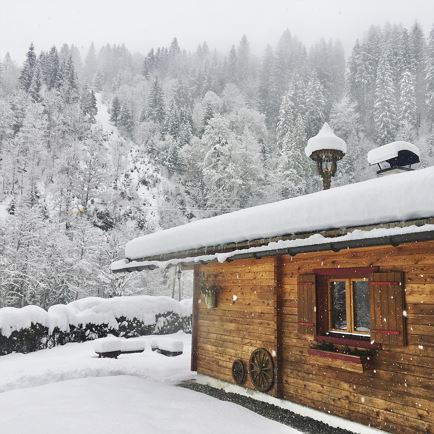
<point x="143" y="24"/>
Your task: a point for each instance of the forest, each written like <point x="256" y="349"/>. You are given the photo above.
<point x="100" y="146"/>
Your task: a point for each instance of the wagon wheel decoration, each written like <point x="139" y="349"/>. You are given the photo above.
<point x="238" y="371"/>
<point x="261" y="370"/>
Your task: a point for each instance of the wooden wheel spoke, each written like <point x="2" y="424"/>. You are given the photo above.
<point x="238" y="371"/>
<point x="261" y="369"/>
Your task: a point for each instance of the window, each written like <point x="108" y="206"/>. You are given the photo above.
<point x="349" y="306"/>
<point x="335" y="305"/>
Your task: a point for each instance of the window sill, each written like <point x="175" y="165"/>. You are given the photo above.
<point x="348" y="341"/>
<point x="348" y="362"/>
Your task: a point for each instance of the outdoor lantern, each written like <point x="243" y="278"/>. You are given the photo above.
<point x="326" y="149"/>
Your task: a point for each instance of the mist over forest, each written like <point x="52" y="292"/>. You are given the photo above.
<point x="101" y="146"/>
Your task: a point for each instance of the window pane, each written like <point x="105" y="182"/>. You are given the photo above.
<point x="338" y="306"/>
<point x="361" y="306"/>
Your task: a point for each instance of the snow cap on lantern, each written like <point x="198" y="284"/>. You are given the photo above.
<point x="326" y="139"/>
<point x="326" y="149"/>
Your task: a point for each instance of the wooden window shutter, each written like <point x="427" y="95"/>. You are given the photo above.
<point x="306" y="305"/>
<point x="387" y="305"/>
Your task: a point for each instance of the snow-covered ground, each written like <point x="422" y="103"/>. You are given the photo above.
<point x="69" y="390"/>
<point x="124" y="405"/>
<point x="102" y="117"/>
<point x="78" y="360"/>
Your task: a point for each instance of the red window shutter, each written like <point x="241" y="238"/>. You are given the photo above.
<point x="387" y="305"/>
<point x="306" y="304"/>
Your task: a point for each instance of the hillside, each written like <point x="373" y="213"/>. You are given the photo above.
<point x="99" y="147"/>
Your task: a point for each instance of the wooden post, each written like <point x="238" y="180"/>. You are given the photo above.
<point x="278" y="272"/>
<point x="195" y="316"/>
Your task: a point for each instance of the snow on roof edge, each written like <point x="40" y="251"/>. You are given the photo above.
<point x="399" y="197"/>
<point x="313" y="240"/>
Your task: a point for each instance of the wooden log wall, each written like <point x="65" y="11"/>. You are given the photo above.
<point x="397" y="395"/>
<point x="245" y="317"/>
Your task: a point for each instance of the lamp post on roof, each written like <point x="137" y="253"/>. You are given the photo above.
<point x="326" y="149"/>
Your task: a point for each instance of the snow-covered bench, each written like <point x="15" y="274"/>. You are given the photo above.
<point x="168" y="347"/>
<point x="113" y="347"/>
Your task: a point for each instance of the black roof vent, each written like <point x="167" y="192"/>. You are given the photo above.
<point x="394" y="157"/>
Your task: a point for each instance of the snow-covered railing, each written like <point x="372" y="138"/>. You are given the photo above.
<point x="31" y="327"/>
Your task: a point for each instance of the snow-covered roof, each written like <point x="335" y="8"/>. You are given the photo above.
<point x="386" y="152"/>
<point x="325" y="139"/>
<point x="397" y="198"/>
<point x="315" y="242"/>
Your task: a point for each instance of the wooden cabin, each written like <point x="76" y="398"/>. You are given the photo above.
<point x="325" y="300"/>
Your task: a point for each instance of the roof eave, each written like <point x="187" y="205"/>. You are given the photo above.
<point x="328" y="233"/>
<point x="393" y="240"/>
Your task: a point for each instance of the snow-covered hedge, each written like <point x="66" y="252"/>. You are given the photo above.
<point x="32" y="328"/>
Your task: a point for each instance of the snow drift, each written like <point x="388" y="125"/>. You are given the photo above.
<point x="32" y="328"/>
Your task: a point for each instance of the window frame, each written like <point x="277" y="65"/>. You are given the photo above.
<point x="349" y="306"/>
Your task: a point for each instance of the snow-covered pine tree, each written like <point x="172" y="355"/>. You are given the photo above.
<point x="269" y="97"/>
<point x="244" y="62"/>
<point x="115" y="110"/>
<point x="68" y="81"/>
<point x="231" y="65"/>
<point x="35" y="86"/>
<point x="385" y="112"/>
<point x="155" y="109"/>
<point x="407" y="108"/>
<point x="430" y="78"/>
<point x="26" y="75"/>
<point x="344" y="119"/>
<point x="418" y="63"/>
<point x="52" y="75"/>
<point x="125" y="119"/>
<point x="286" y="119"/>
<point x="292" y="165"/>
<point x="88" y="104"/>
<point x="315" y="105"/>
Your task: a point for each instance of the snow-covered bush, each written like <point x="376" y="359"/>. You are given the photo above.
<point x="32" y="328"/>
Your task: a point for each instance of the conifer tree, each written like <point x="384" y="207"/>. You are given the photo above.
<point x="430" y="77"/>
<point x="155" y="111"/>
<point x="292" y="164"/>
<point x="115" y="110"/>
<point x="243" y="58"/>
<point x="407" y="108"/>
<point x="267" y="92"/>
<point x="90" y="64"/>
<point x="385" y="112"/>
<point x="26" y="75"/>
<point x="125" y="119"/>
<point x="231" y="67"/>
<point x="68" y="81"/>
<point x="286" y="119"/>
<point x="88" y="105"/>
<point x="52" y="74"/>
<point x="315" y="105"/>
<point x="35" y="86"/>
<point x="209" y="113"/>
<point x="418" y="62"/>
